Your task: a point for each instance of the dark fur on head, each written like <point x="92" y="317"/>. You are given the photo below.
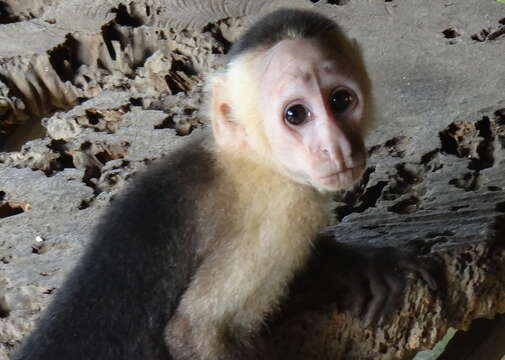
<point x="282" y="24"/>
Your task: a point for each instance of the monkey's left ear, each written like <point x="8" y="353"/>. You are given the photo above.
<point x="227" y="131"/>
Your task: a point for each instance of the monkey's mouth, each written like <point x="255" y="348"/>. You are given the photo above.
<point x="343" y="176"/>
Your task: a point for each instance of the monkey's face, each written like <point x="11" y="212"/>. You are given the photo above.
<point x="312" y="108"/>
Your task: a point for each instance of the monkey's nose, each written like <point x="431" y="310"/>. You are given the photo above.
<point x="332" y="155"/>
<point x="329" y="153"/>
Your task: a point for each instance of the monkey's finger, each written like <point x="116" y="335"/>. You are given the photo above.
<point x="420" y="268"/>
<point x="426" y="276"/>
<point x="396" y="284"/>
<point x="379" y="294"/>
<point x="359" y="295"/>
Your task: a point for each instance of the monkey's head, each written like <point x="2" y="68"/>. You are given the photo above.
<point x="295" y="94"/>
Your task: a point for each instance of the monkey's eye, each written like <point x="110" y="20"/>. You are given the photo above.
<point x="341" y="100"/>
<point x="296" y="114"/>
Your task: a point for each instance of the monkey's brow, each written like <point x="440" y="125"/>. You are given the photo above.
<point x="299" y="83"/>
<point x="304" y="76"/>
<point x="301" y="72"/>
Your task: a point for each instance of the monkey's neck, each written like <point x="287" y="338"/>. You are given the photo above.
<point x="261" y="190"/>
<point x="251" y="172"/>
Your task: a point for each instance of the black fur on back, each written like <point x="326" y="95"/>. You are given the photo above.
<point x="117" y="302"/>
<point x="280" y="25"/>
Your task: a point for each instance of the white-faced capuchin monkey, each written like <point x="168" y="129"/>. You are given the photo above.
<point x="189" y="261"/>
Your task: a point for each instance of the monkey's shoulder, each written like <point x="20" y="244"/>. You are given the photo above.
<point x="175" y="174"/>
<point x="159" y="199"/>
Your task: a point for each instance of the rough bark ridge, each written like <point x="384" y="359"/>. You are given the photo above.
<point x="90" y="93"/>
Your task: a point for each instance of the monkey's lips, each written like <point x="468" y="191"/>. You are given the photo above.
<point x="343" y="177"/>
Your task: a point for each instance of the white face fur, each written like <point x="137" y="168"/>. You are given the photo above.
<point x="310" y="108"/>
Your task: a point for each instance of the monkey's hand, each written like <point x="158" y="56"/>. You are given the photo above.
<point x="374" y="278"/>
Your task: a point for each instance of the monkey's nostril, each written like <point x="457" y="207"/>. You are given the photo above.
<point x="327" y="154"/>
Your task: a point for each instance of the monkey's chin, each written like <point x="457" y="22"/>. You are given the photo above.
<point x="340" y="180"/>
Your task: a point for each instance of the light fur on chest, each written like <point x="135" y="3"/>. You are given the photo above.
<point x="261" y="236"/>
